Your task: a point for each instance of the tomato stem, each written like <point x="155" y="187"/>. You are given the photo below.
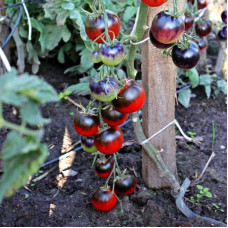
<point x="74" y="103"/>
<point x="113" y="170"/>
<point x="117" y="165"/>
<point x="99" y="113"/>
<point x="175" y="10"/>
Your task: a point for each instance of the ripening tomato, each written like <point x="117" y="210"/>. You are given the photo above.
<point x="158" y="44"/>
<point x="202" y="4"/>
<point x="87" y="144"/>
<point x="95" y="57"/>
<point x="188" y="21"/>
<point x="104" y="166"/>
<point x="103" y="199"/>
<point x="130" y="98"/>
<point x="154" y="3"/>
<point x="203" y="28"/>
<point x="95" y="26"/>
<point x="109" y="140"/>
<point x="113" y="117"/>
<point x="125" y="185"/>
<point x="222" y="34"/>
<point x="224" y="16"/>
<point x="167" y="29"/>
<point x="86" y="124"/>
<point x="202" y="45"/>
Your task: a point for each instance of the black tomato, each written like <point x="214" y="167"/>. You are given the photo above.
<point x="188" y="21"/>
<point x="113" y="117"/>
<point x="203" y="28"/>
<point x="186" y="58"/>
<point x="104" y="166"/>
<point x="126" y="185"/>
<point x="87" y="144"/>
<point x="222" y="34"/>
<point x="202" y="45"/>
<point x="130" y="98"/>
<point x="167" y="29"/>
<point x="224" y="16"/>
<point x="95" y="26"/>
<point x="158" y="44"/>
<point x="103" y="199"/>
<point x="109" y="140"/>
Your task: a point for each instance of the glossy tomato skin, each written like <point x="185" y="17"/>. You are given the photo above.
<point x="126" y="185"/>
<point x="103" y="199"/>
<point x="94" y="27"/>
<point x="188" y="21"/>
<point x="202" y="4"/>
<point x="112" y="55"/>
<point x="130" y="98"/>
<point x="86" y="124"/>
<point x="154" y="3"/>
<point x="95" y="57"/>
<point x="104" y="166"/>
<point x="113" y="117"/>
<point x="222" y="34"/>
<point x="109" y="140"/>
<point x="191" y="1"/>
<point x="105" y="90"/>
<point x="87" y="144"/>
<point x="167" y="29"/>
<point x="187" y="58"/>
<point x="224" y="16"/>
<point x="158" y="44"/>
<point x="203" y="28"/>
<point x="202" y="45"/>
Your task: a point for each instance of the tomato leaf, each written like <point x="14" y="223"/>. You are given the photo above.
<point x="129" y="13"/>
<point x="193" y="76"/>
<point x="184" y="97"/>
<point x="80" y="88"/>
<point x="222" y="85"/>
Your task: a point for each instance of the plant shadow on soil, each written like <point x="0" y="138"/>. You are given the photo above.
<point x="59" y="201"/>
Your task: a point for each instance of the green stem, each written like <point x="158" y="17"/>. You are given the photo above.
<point x="175" y="10"/>
<point x="99" y="112"/>
<point x="113" y="170"/>
<point x="117" y="165"/>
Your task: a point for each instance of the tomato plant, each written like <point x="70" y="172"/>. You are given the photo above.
<point x="104" y="166"/>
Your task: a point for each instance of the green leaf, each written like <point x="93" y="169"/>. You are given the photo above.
<point x="208" y="90"/>
<point x="199" y="196"/>
<point x="193" y="76"/>
<point x="208" y="194"/>
<point x="222" y="85"/>
<point x="80" y="88"/>
<point x="199" y="187"/>
<point x="61" y="18"/>
<point x="206" y="189"/>
<point x="61" y="56"/>
<point x="129" y="13"/>
<point x="184" y="97"/>
<point x="67" y="6"/>
<point x="205" y="79"/>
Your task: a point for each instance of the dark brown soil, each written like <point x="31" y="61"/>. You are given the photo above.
<point x="59" y="201"/>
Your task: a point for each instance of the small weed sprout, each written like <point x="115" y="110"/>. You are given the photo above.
<point x="217" y="207"/>
<point x="202" y="192"/>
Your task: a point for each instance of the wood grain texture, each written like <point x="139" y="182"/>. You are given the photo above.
<point x="159" y="81"/>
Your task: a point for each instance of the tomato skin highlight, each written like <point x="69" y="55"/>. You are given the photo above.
<point x="109" y="140"/>
<point x="202" y="45"/>
<point x="187" y="58"/>
<point x="202" y="4"/>
<point x="154" y="3"/>
<point x="203" y="29"/>
<point x="85" y="124"/>
<point x="167" y="29"/>
<point x="224" y="16"/>
<point x="103" y="199"/>
<point x="103" y="167"/>
<point x="127" y="185"/>
<point x="158" y="44"/>
<point x="222" y="34"/>
<point x="130" y="98"/>
<point x="94" y="27"/>
<point x="188" y="21"/>
<point x="87" y="144"/>
<point x="113" y="117"/>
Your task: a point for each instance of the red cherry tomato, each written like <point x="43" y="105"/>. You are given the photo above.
<point x="86" y="124"/>
<point x="203" y="28"/>
<point x="109" y="140"/>
<point x="104" y="166"/>
<point x="95" y="26"/>
<point x="103" y="199"/>
<point x="113" y="117"/>
<point x="202" y="4"/>
<point x="130" y="98"/>
<point x="126" y="185"/>
<point x="154" y="3"/>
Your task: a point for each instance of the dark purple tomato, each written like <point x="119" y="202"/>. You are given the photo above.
<point x="154" y="3"/>
<point x="222" y="34"/>
<point x="87" y="144"/>
<point x="86" y="124"/>
<point x="202" y="45"/>
<point x="112" y="55"/>
<point x="113" y="117"/>
<point x="188" y="21"/>
<point x="203" y="28"/>
<point x="202" y="4"/>
<point x="109" y="140"/>
<point x="104" y="166"/>
<point x="158" y="44"/>
<point x="186" y="58"/>
<point x="105" y="90"/>
<point x="95" y="26"/>
<point x="130" y="98"/>
<point x="190" y="1"/>
<point x="103" y="199"/>
<point x="95" y="57"/>
<point x="224" y="16"/>
<point x="167" y="29"/>
<point x="126" y="185"/>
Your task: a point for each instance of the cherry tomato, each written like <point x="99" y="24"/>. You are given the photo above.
<point x="104" y="166"/>
<point x="190" y="1"/>
<point x="109" y="140"/>
<point x="154" y="3"/>
<point x="202" y="4"/>
<point x="158" y="44"/>
<point x="188" y="21"/>
<point x="113" y="117"/>
<point x="202" y="45"/>
<point x="203" y="28"/>
<point x="87" y="144"/>
<point x="95" y="57"/>
<point x="86" y="124"/>
<point x="186" y="58"/>
<point x="103" y="199"/>
<point x="126" y="185"/>
<point x="95" y="26"/>
<point x="112" y="55"/>
<point x="224" y="16"/>
<point x="167" y="29"/>
<point x="222" y="34"/>
<point x="130" y="98"/>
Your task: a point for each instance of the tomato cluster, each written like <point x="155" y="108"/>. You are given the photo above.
<point x="222" y="33"/>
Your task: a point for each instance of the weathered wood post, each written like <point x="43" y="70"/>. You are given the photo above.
<point x="159" y="81"/>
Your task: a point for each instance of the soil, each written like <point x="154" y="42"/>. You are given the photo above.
<point x="57" y="200"/>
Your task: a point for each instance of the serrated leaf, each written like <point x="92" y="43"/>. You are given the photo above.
<point x="80" y="88"/>
<point x="67" y="6"/>
<point x="193" y="76"/>
<point x="205" y="79"/>
<point x="184" y="97"/>
<point x="222" y="84"/>
<point x="129" y="12"/>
